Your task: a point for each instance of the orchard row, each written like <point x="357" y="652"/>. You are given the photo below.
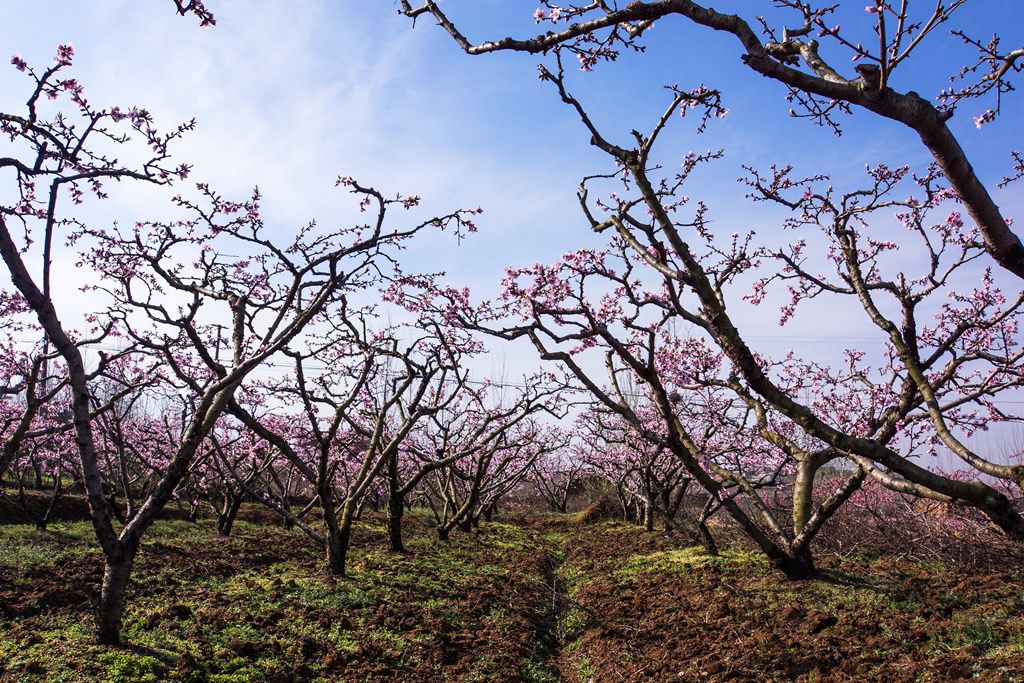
<point x="224" y="362"/>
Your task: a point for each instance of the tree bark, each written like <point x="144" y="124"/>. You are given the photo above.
<point x="337" y="549"/>
<point x="799" y="567"/>
<point x="396" y="506"/>
<point x="396" y="509"/>
<point x="37" y="470"/>
<point x="337" y="534"/>
<point x="803" y="488"/>
<point x="706" y="539"/>
<point x="226" y="519"/>
<point x="116" y="573"/>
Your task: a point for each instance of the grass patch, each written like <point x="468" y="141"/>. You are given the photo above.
<point x="539" y="672"/>
<point x="585" y="670"/>
<point x="126" y="667"/>
<point x="686" y="559"/>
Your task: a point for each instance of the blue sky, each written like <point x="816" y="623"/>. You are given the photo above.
<point x="289" y="95"/>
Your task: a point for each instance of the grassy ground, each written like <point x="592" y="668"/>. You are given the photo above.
<point x="540" y="600"/>
<point x="257" y="607"/>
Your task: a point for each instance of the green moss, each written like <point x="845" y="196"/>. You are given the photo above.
<point x="685" y="559"/>
<point x="557" y="538"/>
<point x="371" y="528"/>
<point x="125" y="667"/>
<point x="575" y="619"/>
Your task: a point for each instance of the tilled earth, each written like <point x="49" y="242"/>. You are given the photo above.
<point x="536" y="599"/>
<point x="643" y="610"/>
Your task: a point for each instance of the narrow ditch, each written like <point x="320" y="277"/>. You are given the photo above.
<point x="551" y="631"/>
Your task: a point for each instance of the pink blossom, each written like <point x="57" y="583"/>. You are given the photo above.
<point x="65" y="54"/>
<point x="987" y="116"/>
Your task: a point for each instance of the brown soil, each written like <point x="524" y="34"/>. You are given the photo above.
<point x="736" y="620"/>
<point x="507" y="604"/>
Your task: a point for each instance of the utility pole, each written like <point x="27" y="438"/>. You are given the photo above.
<point x="216" y="348"/>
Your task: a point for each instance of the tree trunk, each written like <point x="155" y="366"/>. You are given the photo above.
<point x="396" y="508"/>
<point x="58" y="490"/>
<point x="442" y="532"/>
<point x="706" y="539"/>
<point x="226" y="519"/>
<point x="796" y="568"/>
<point x="337" y="535"/>
<point x="803" y="492"/>
<point x="116" y="573"/>
<point x="337" y="549"/>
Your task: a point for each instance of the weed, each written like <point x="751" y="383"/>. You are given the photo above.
<point x="685" y="559"/>
<point x="585" y="670"/>
<point x="124" y="667"/>
<point x="539" y="672"/>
